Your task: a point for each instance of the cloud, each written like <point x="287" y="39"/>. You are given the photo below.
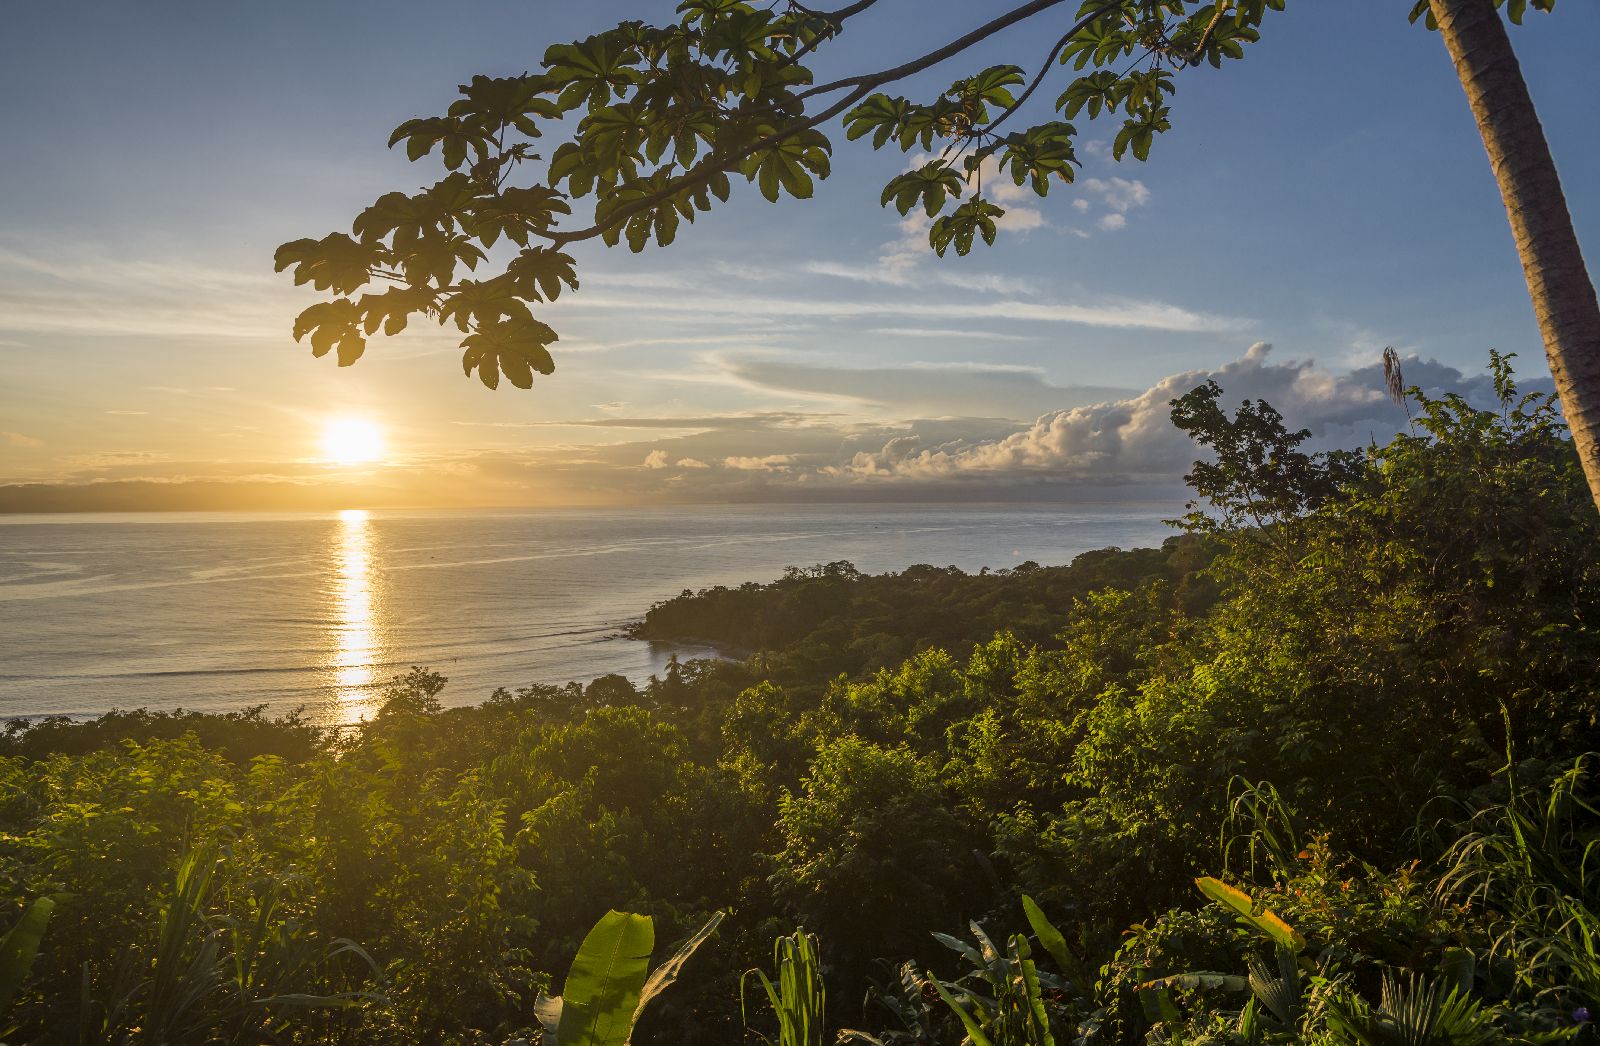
<point x="706" y="422"/>
<point x="1125" y="313"/>
<point x="949" y="332"/>
<point x="1133" y="440"/>
<point x="1119" y="194"/>
<point x="906" y="259"/>
<point x="17" y="439"/>
<point x="766" y="463"/>
<point x="129" y="413"/>
<point x="1114" y="197"/>
<point x="1116" y="445"/>
<point x="922" y="389"/>
<point x="80" y="294"/>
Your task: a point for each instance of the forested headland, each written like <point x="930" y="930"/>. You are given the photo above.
<point x="1313" y="771"/>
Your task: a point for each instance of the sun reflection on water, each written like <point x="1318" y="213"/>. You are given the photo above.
<point x="355" y="619"/>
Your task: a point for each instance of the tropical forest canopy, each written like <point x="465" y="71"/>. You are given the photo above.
<point x="1313" y="771"/>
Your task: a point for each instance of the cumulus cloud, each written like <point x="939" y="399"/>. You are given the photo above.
<point x="1081" y="446"/>
<point x="1119" y="194"/>
<point x="1113" y="198"/>
<point x="660" y="459"/>
<point x="765" y="463"/>
<point x="1133" y="440"/>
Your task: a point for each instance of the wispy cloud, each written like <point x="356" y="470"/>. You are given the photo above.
<point x="737" y="422"/>
<point x="918" y="389"/>
<point x="949" y="332"/>
<point x="1133" y="314"/>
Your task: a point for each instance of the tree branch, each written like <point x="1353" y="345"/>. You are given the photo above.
<point x="1050" y="60"/>
<point x="954" y="47"/>
<point x="1193" y="57"/>
<point x="837" y="18"/>
<point x="709" y="167"/>
<point x="862" y="85"/>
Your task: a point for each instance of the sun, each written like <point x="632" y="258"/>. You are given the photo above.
<point x="352" y="441"/>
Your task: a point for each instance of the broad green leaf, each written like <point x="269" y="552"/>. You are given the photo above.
<point x="19" y="947"/>
<point x="663" y="976"/>
<point x="1050" y="938"/>
<point x="603" y="987"/>
<point x="1239" y="902"/>
<point x="539" y="272"/>
<point x="392" y="309"/>
<point x="336" y="262"/>
<point x="1038" y="1017"/>
<point x="960" y="947"/>
<point x="974" y="1032"/>
<point x="330" y="324"/>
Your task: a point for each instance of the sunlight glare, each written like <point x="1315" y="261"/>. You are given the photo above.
<point x="355" y="618"/>
<point x="352" y="441"/>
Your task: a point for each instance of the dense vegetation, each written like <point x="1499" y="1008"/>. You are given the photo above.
<point x="815" y="623"/>
<point x="1355" y="699"/>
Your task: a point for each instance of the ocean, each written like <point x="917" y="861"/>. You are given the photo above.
<point x="220" y="611"/>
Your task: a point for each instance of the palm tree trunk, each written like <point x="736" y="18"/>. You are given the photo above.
<point x="1563" y="295"/>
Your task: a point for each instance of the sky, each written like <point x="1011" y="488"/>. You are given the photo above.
<point x="1322" y="199"/>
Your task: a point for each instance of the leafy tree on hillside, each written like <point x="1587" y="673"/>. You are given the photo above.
<point x="661" y="119"/>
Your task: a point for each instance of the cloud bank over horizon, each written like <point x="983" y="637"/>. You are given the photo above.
<point x="1101" y="444"/>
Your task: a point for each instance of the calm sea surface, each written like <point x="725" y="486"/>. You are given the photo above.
<point x="216" y="611"/>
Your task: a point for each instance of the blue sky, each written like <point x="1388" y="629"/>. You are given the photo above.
<point x="1328" y="195"/>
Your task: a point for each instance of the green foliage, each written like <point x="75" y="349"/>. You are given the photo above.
<point x="240" y="735"/>
<point x="798" y="998"/>
<point x="871" y="850"/>
<point x="610" y="982"/>
<point x="1000" y="1001"/>
<point x="1259" y="481"/>
<point x="1416" y="1012"/>
<point x="651" y="123"/>
<point x="815" y="623"/>
<point x="913" y="753"/>
<point x="19" y="946"/>
<point x="219" y="972"/>
<point x="1263" y="921"/>
<point x="1534" y="860"/>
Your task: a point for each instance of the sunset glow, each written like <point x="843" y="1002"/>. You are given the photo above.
<point x="352" y="441"/>
<point x="354" y="616"/>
